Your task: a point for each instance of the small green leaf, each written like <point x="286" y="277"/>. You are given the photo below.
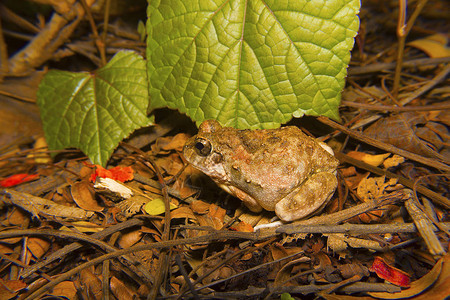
<point x="157" y="207"/>
<point x="94" y="112"/>
<point x="286" y="296"/>
<point x="249" y="63"/>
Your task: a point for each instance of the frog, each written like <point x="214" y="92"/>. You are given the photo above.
<point x="281" y="170"/>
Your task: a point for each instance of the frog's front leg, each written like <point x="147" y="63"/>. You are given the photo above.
<point x="249" y="201"/>
<point x="310" y="197"/>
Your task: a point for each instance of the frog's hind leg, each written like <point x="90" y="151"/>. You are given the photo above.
<point x="309" y="198"/>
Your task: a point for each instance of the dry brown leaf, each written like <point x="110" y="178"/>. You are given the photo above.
<point x="83" y="196"/>
<point x="130" y="238"/>
<point x="353" y="181"/>
<point x="350" y="270"/>
<point x="285" y="272"/>
<point x="11" y="241"/>
<point x="5" y="249"/>
<point x="214" y="218"/>
<point x="200" y="207"/>
<point x="243" y="227"/>
<point x="347" y="172"/>
<point x="36" y="205"/>
<point x="434" y="45"/>
<point x="65" y="289"/>
<point x="121" y="291"/>
<point x="170" y="143"/>
<point x="343" y="297"/>
<point x="371" y="188"/>
<point x="17" y="217"/>
<point x="373" y="160"/>
<point x="132" y="206"/>
<point x="183" y="212"/>
<point x="91" y="283"/>
<point x="10" y="288"/>
<point x="37" y="246"/>
<point x="410" y="131"/>
<point x="393" y="161"/>
<point x="171" y="164"/>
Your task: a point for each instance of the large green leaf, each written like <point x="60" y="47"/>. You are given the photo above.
<point x="249" y="63"/>
<point x="94" y="112"/>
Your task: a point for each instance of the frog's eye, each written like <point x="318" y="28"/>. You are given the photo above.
<point x="203" y="147"/>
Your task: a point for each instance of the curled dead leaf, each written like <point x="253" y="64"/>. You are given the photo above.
<point x="83" y="196"/>
<point x="373" y="160"/>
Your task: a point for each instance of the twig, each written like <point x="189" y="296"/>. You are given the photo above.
<point x="76" y="245"/>
<point x="186" y="276"/>
<point x="336" y="286"/>
<point x="255" y="293"/>
<point x="50" y="38"/>
<point x="341" y="216"/>
<point x="355" y="229"/>
<point x="216" y="236"/>
<point x="402" y="32"/>
<point x="298" y="275"/>
<point x="100" y="45"/>
<point x="387" y="147"/>
<point x="4" y="68"/>
<point x="425" y="227"/>
<point x="163" y="256"/>
<point x="247" y="271"/>
<point x="217" y="266"/>
<point x="388" y="66"/>
<point x="438" y="198"/>
<point x="429" y="85"/>
<point x="352" y="288"/>
<point x="432" y="107"/>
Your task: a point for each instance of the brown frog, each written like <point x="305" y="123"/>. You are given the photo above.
<point x="281" y="170"/>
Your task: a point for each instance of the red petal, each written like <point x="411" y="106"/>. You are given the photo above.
<point x="117" y="173"/>
<point x="389" y="273"/>
<point x="17" y="179"/>
<point x="122" y="173"/>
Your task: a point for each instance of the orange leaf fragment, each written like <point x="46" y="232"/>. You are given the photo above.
<point x="243" y="227"/>
<point x="17" y="179"/>
<point x="118" y="173"/>
<point x="389" y="273"/>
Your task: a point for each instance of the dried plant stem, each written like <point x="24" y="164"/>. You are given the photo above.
<point x="425" y="227"/>
<point x="215" y="236"/>
<point x="437" y="198"/>
<point x="443" y="106"/>
<point x="355" y="229"/>
<point x="49" y="39"/>
<point x="97" y="41"/>
<point x="402" y="32"/>
<point x="94" y="238"/>
<point x="3" y="54"/>
<point x="163" y="261"/>
<point x="352" y="71"/>
<point x="387" y="147"/>
<point x="343" y="215"/>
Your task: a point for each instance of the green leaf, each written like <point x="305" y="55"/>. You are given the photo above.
<point x="249" y="63"/>
<point x="94" y="112"/>
<point x="286" y="296"/>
